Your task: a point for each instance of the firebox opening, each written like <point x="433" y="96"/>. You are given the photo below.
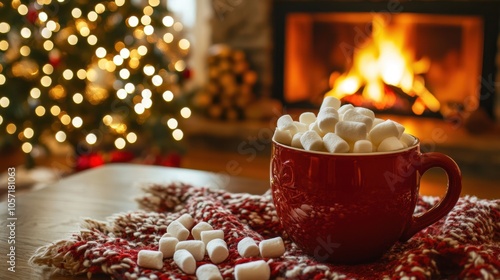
<point x="409" y="64"/>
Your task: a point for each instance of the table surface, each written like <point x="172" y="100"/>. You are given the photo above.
<point x="53" y="213"/>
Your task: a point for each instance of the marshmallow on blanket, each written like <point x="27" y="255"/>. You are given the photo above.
<point x="198" y="228"/>
<point x="167" y="246"/>
<point x="195" y="247"/>
<point x="185" y="261"/>
<point x="150" y="259"/>
<point x="209" y="235"/>
<point x="272" y="248"/>
<point x="252" y="270"/>
<point x="351" y="131"/>
<point x="311" y="141"/>
<point x="208" y="272"/>
<point x="335" y="144"/>
<point x="217" y="250"/>
<point x="178" y="230"/>
<point x="186" y="220"/>
<point x="248" y="248"/>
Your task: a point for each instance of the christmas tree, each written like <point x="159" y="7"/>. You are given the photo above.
<point x="97" y="75"/>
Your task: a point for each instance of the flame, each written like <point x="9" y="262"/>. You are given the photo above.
<point x="384" y="61"/>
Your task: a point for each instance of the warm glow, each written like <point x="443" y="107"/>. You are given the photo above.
<point x="91" y="138"/>
<point x="384" y="60"/>
<point x="131" y="137"/>
<point x="186" y="112"/>
<point x="168" y="96"/>
<point x="60" y="136"/>
<point x="120" y="143"/>
<point x="172" y="123"/>
<point x="27" y="147"/>
<point x="177" y="134"/>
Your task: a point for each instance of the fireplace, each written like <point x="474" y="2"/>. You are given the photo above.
<point x="417" y="58"/>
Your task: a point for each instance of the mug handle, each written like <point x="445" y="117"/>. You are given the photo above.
<point x="444" y="206"/>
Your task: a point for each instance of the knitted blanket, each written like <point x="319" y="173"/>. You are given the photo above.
<point x="463" y="245"/>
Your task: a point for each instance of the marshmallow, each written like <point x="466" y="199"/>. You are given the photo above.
<point x="166" y="234"/>
<point x="327" y="119"/>
<point x="377" y="121"/>
<point x="407" y="139"/>
<point x="401" y="128"/>
<point x="208" y="235"/>
<point x="351" y="131"/>
<point x="307" y="118"/>
<point x="186" y="220"/>
<point x="296" y="140"/>
<point x="252" y="270"/>
<point x="354" y="116"/>
<point x="362" y="146"/>
<point x="390" y="144"/>
<point x="285" y="122"/>
<point x="198" y="228"/>
<point x="301" y="127"/>
<point x="282" y="136"/>
<point x="217" y="250"/>
<point x="382" y="131"/>
<point x="208" y="272"/>
<point x="311" y="141"/>
<point x="364" y="111"/>
<point x="272" y="248"/>
<point x="167" y="246"/>
<point x="344" y="108"/>
<point x="330" y="101"/>
<point x="185" y="261"/>
<point x="150" y="259"/>
<point x="177" y="230"/>
<point x="335" y="144"/>
<point x="314" y="127"/>
<point x="248" y="248"/>
<point x="195" y="247"/>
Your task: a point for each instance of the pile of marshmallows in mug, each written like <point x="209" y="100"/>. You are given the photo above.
<point x="185" y="253"/>
<point x="341" y="129"/>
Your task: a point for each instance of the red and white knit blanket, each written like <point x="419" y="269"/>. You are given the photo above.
<point x="463" y="245"/>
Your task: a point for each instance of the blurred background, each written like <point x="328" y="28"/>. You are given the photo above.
<point x="200" y="84"/>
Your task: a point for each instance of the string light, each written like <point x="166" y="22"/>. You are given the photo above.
<point x="60" y="136"/>
<point x="120" y="143"/>
<point x="131" y="137"/>
<point x="91" y="138"/>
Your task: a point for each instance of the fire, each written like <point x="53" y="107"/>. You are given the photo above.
<point x="381" y="64"/>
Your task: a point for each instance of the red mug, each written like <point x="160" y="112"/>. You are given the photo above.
<point x="352" y="208"/>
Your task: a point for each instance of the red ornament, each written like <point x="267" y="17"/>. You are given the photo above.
<point x="55" y="58"/>
<point x="187" y="73"/>
<point x="121" y="156"/>
<point x="88" y="161"/>
<point x="32" y="15"/>
<point x="170" y="160"/>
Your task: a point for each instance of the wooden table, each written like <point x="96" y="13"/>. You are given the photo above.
<point x="55" y="212"/>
